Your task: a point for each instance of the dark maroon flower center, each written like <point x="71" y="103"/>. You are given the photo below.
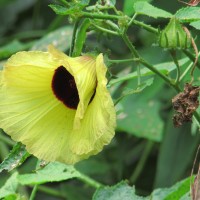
<point x="64" y="87"/>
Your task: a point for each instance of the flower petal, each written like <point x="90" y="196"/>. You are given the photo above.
<point x="29" y="111"/>
<point x="83" y="69"/>
<point x="97" y="126"/>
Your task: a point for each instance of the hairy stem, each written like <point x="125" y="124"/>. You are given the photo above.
<point x="74" y="36"/>
<point x="33" y="193"/>
<point x="90" y="181"/>
<point x="81" y="37"/>
<point x="173" y="55"/>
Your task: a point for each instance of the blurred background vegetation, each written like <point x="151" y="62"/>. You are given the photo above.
<point x="147" y="150"/>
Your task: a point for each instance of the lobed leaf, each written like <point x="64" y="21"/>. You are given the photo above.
<point x="195" y="24"/>
<point x="117" y="192"/>
<point x="128" y="6"/>
<point x="53" y="172"/>
<point x="61" y="10"/>
<point x="144" y="8"/>
<point x="188" y="14"/>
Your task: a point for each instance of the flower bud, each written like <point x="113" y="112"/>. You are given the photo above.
<point x="174" y="36"/>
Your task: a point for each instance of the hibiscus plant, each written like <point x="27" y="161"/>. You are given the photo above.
<point x="99" y="100"/>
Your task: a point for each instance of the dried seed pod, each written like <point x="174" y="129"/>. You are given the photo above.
<point x="185" y="103"/>
<point x="191" y="2"/>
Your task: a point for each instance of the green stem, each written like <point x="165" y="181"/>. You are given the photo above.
<point x="152" y="68"/>
<point x="105" y="30"/>
<point x="117" y="17"/>
<point x="100" y="16"/>
<point x="112" y="25"/>
<point x="165" y="78"/>
<point x="145" y="26"/>
<point x="89" y="181"/>
<point x="130" y="46"/>
<point x="142" y="162"/>
<point x="74" y="36"/>
<point x="173" y="54"/>
<point x="186" y="71"/>
<point x="50" y="191"/>
<point x="132" y="19"/>
<point x="191" y="57"/>
<point x="122" y="61"/>
<point x="81" y="37"/>
<point x="33" y="193"/>
<point x="138" y="75"/>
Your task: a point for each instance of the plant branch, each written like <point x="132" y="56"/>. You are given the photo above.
<point x="122" y="61"/>
<point x="74" y="36"/>
<point x="130" y="45"/>
<point x="100" y="16"/>
<point x="33" y="193"/>
<point x="90" y="181"/>
<point x="145" y="26"/>
<point x="191" y="57"/>
<point x="173" y="55"/>
<point x="149" y="66"/>
<point x="105" y="30"/>
<point x="50" y="191"/>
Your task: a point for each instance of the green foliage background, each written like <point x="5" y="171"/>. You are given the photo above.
<point x="147" y="153"/>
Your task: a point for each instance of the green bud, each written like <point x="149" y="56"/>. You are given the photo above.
<point x="174" y="36"/>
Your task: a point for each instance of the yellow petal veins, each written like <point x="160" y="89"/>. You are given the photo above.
<point x="58" y="106"/>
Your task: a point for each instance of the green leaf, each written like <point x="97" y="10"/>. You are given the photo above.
<point x="176" y="153"/>
<point x="10" y="186"/>
<point x="117" y="192"/>
<point x="188" y="14"/>
<point x="53" y="172"/>
<point x="195" y="24"/>
<point x="144" y="111"/>
<point x="128" y="6"/>
<point x="165" y="68"/>
<point x="144" y="8"/>
<point x="138" y="89"/>
<point x="61" y="10"/>
<point x="15" y="158"/>
<point x="60" y="38"/>
<point x="15" y="197"/>
<point x="13" y="47"/>
<point x="74" y="9"/>
<point x="176" y="192"/>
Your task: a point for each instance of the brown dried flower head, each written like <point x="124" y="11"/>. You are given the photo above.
<point x="185" y="103"/>
<point x="191" y="2"/>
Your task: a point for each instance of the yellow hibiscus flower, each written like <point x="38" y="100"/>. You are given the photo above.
<point x="58" y="106"/>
